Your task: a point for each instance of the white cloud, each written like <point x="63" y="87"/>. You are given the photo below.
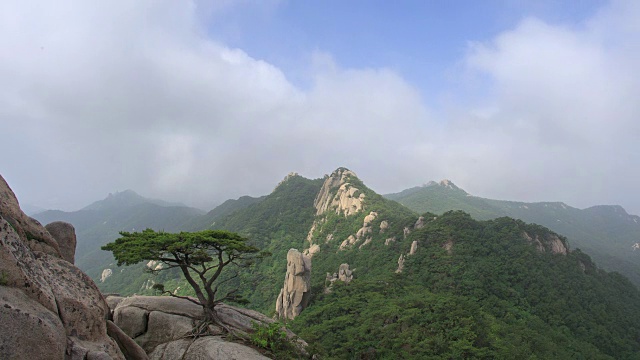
<point x="566" y="117"/>
<point x="135" y="96"/>
<point x="103" y="96"/>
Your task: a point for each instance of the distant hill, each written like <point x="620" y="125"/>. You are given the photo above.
<point x="607" y="233"/>
<point x="127" y="198"/>
<point x="100" y="222"/>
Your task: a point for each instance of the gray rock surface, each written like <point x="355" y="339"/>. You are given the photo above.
<point x="46" y="294"/>
<point x="295" y="293"/>
<point x="130" y="349"/>
<point x="169" y="319"/>
<point x="65" y="235"/>
<point x="36" y="237"/>
<point x="209" y="347"/>
<point x="28" y="325"/>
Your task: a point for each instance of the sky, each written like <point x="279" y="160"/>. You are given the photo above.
<point x="202" y="101"/>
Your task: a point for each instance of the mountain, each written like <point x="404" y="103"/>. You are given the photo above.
<point x="31" y="209"/>
<point x="127" y="198"/>
<point x="607" y="233"/>
<point x="228" y="207"/>
<point x="101" y="222"/>
<point x="410" y="285"/>
<point x="386" y="281"/>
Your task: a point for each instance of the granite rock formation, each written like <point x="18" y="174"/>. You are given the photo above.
<point x="295" y="293"/>
<point x="65" y="235"/>
<point x="49" y="308"/>
<point x="159" y="324"/>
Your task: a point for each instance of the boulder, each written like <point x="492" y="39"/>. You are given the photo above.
<point x="36" y="237"/>
<point x="295" y="293"/>
<point x="46" y="294"/>
<point x="130" y="349"/>
<point x="65" y="235"/>
<point x="169" y="319"/>
<point x="208" y="347"/>
<point x="29" y="330"/>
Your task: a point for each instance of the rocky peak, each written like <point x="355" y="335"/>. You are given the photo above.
<point x="449" y="185"/>
<point x="337" y="193"/>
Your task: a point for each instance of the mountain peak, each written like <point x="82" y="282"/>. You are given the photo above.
<point x="286" y="178"/>
<point x="338" y="193"/>
<point x="342" y="172"/>
<point x="444" y="183"/>
<point x="448" y="183"/>
<point x="125" y="198"/>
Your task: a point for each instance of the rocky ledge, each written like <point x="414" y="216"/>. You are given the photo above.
<point x="161" y="324"/>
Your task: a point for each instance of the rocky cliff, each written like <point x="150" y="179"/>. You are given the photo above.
<point x="49" y="309"/>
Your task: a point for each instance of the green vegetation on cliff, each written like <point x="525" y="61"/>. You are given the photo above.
<point x="477" y="290"/>
<point x="607" y="233"/>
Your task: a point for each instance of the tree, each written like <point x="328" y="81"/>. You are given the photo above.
<point x="201" y="256"/>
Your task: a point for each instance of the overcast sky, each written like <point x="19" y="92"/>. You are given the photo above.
<point x="200" y="101"/>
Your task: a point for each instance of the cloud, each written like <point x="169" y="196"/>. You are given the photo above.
<point x="102" y="96"/>
<point x="563" y="108"/>
<point x="107" y="96"/>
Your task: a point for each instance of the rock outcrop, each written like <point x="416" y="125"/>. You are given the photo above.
<point x="363" y="233"/>
<point x="400" y="264"/>
<point x="65" y="235"/>
<point x="49" y="308"/>
<point x="414" y="247"/>
<point x="158" y="324"/>
<point x="339" y="194"/>
<point x="549" y="243"/>
<point x="106" y="273"/>
<point x="344" y="274"/>
<point x="295" y="293"/>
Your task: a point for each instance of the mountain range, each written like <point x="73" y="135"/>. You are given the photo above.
<point x="391" y="279"/>
<point x="606" y="232"/>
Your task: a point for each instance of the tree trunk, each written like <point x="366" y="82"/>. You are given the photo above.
<point x="211" y="318"/>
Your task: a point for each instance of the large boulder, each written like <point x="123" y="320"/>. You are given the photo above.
<point x="209" y="347"/>
<point x="36" y="237"/>
<point x="44" y="297"/>
<point x="295" y="293"/>
<point x="29" y="330"/>
<point x="130" y="349"/>
<point x="159" y="325"/>
<point x="65" y="235"/>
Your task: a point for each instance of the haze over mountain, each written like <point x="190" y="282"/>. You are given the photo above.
<point x="101" y="221"/>
<point x="530" y="101"/>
